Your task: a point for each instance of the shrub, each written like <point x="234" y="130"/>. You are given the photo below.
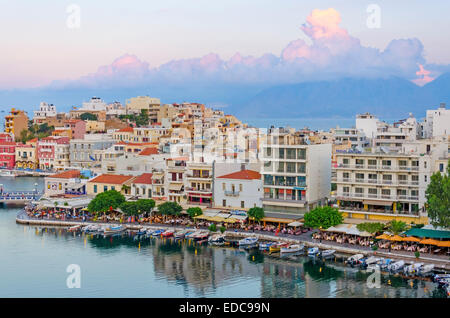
<point x="212" y="228"/>
<point x="222" y="229"/>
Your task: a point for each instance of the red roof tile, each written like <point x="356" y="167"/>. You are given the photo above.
<point x="111" y="178"/>
<point x="66" y="174"/>
<point x="243" y="175"/>
<point x="145" y="178"/>
<point x="149" y="151"/>
<point x="126" y="129"/>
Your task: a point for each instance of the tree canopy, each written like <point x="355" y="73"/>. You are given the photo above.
<point x="137" y="207"/>
<point x="371" y="227"/>
<point x="170" y="208"/>
<point x="438" y="199"/>
<point x="256" y="213"/>
<point x="88" y="116"/>
<point x="103" y="201"/>
<point x="397" y="227"/>
<point x="323" y="217"/>
<point x="193" y="212"/>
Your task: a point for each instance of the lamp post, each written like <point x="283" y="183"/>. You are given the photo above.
<point x="35" y="190"/>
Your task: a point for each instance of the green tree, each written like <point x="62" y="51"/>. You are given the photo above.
<point x="222" y="229"/>
<point x="256" y="213"/>
<point x="397" y="227"/>
<point x="169" y="208"/>
<point x="103" y="201"/>
<point x="438" y="198"/>
<point x="193" y="212"/>
<point x="371" y="227"/>
<point x="212" y="227"/>
<point x="129" y="208"/>
<point x="88" y="116"/>
<point x="145" y="205"/>
<point x="323" y="217"/>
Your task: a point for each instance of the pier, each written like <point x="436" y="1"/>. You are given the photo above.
<point x="19" y="197"/>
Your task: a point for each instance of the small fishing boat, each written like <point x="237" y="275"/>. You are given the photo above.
<point x="439" y="277"/>
<point x="114" y="229"/>
<point x="157" y="232"/>
<point x="202" y="235"/>
<point x="74" y="228"/>
<point x="384" y="263"/>
<point x="413" y="268"/>
<point x="248" y="241"/>
<point x="276" y="247"/>
<point x="354" y="259"/>
<point x="218" y="239"/>
<point x="327" y="253"/>
<point x="91" y="228"/>
<point x="180" y="234"/>
<point x="426" y="269"/>
<point x="265" y="246"/>
<point x="371" y="260"/>
<point x="313" y="251"/>
<point x="444" y="282"/>
<point x="294" y="248"/>
<point x="192" y="234"/>
<point x="167" y="233"/>
<point x="396" y="266"/>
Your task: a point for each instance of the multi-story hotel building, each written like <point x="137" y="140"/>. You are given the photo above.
<point x="175" y="179"/>
<point x="296" y="176"/>
<point x="199" y="189"/>
<point x="16" y="122"/>
<point x="386" y="186"/>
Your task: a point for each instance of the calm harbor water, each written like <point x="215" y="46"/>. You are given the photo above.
<point x="34" y="261"/>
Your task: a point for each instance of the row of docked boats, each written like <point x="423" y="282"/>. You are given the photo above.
<point x="389" y="265"/>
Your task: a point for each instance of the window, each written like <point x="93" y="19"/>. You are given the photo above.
<point x="240" y="187"/>
<point x="105" y="188"/>
<point x="242" y="204"/>
<point x="224" y="203"/>
<point x="223" y="186"/>
<point x="113" y="188"/>
<point x="95" y="188"/>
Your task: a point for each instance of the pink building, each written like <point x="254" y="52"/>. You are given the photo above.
<point x="46" y="151"/>
<point x="6" y="137"/>
<point x="77" y="126"/>
<point x="7" y="154"/>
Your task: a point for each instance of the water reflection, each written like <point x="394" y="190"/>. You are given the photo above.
<point x="204" y="269"/>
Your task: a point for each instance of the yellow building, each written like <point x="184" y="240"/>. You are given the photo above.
<point x="26" y="156"/>
<point x="95" y="126"/>
<point x="136" y="104"/>
<point x="106" y="182"/>
<point x="16" y="122"/>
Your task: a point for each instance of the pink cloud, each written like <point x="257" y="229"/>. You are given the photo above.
<point x="324" y="24"/>
<point x="424" y="77"/>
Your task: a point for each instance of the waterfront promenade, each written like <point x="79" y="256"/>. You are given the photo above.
<point x="440" y="262"/>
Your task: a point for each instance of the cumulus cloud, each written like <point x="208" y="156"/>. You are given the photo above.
<point x="333" y="53"/>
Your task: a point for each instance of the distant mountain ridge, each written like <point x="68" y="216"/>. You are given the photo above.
<point x="387" y="98"/>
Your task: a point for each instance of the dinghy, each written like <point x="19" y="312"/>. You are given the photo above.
<point x="313" y="251"/>
<point x="327" y="253"/>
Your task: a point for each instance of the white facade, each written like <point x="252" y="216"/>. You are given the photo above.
<point x="238" y="193"/>
<point x="437" y="122"/>
<point x="45" y="110"/>
<point x="368" y="124"/>
<point x="95" y="104"/>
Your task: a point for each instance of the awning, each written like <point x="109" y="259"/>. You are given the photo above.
<point x="347" y="229"/>
<point x="376" y="202"/>
<point x="428" y="233"/>
<point x="295" y="224"/>
<point x="443" y="244"/>
<point x="276" y="220"/>
<point x="175" y="187"/>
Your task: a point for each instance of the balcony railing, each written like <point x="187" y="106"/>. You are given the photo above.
<point x="232" y="193"/>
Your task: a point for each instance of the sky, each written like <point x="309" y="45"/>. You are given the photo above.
<point x="129" y="39"/>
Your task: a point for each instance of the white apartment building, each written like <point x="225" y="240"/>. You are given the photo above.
<point x="45" y="110"/>
<point x="199" y="183"/>
<point x="95" y="104"/>
<point x="296" y="176"/>
<point x="356" y="137"/>
<point x="437" y="122"/>
<point x="176" y="179"/>
<point x="384" y="186"/>
<point x="242" y="189"/>
<point x="115" y="109"/>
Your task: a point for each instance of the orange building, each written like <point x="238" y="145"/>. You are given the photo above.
<point x="16" y="122"/>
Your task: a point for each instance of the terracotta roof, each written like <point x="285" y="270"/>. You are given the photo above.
<point x="111" y="178"/>
<point x="243" y="175"/>
<point x="145" y="178"/>
<point x="126" y="129"/>
<point x="149" y="151"/>
<point x="66" y="174"/>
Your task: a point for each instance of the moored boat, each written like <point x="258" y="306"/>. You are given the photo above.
<point x="371" y="260"/>
<point x="74" y="228"/>
<point x="217" y="239"/>
<point x="327" y="253"/>
<point x="180" y="234"/>
<point x="7" y="173"/>
<point x="426" y="269"/>
<point x="275" y="247"/>
<point x="167" y="233"/>
<point x="157" y="232"/>
<point x="294" y="248"/>
<point x="354" y="259"/>
<point x="313" y="251"/>
<point x="265" y="246"/>
<point x="248" y="241"/>
<point x="413" y="268"/>
<point x="201" y="236"/>
<point x="114" y="229"/>
<point x="396" y="266"/>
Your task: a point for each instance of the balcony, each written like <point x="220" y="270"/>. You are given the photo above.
<point x="232" y="193"/>
<point x="191" y="189"/>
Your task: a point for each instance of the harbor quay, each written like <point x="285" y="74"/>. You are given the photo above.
<point x="441" y="264"/>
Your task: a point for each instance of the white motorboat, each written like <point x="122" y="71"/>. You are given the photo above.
<point x="413" y="268"/>
<point x="248" y="241"/>
<point x="218" y="239"/>
<point x="426" y="269"/>
<point x="313" y="251"/>
<point x="327" y="253"/>
<point x="384" y="263"/>
<point x="292" y="248"/>
<point x="394" y="267"/>
<point x="354" y="259"/>
<point x="7" y="173"/>
<point x="114" y="229"/>
<point x="371" y="260"/>
<point x="180" y="234"/>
